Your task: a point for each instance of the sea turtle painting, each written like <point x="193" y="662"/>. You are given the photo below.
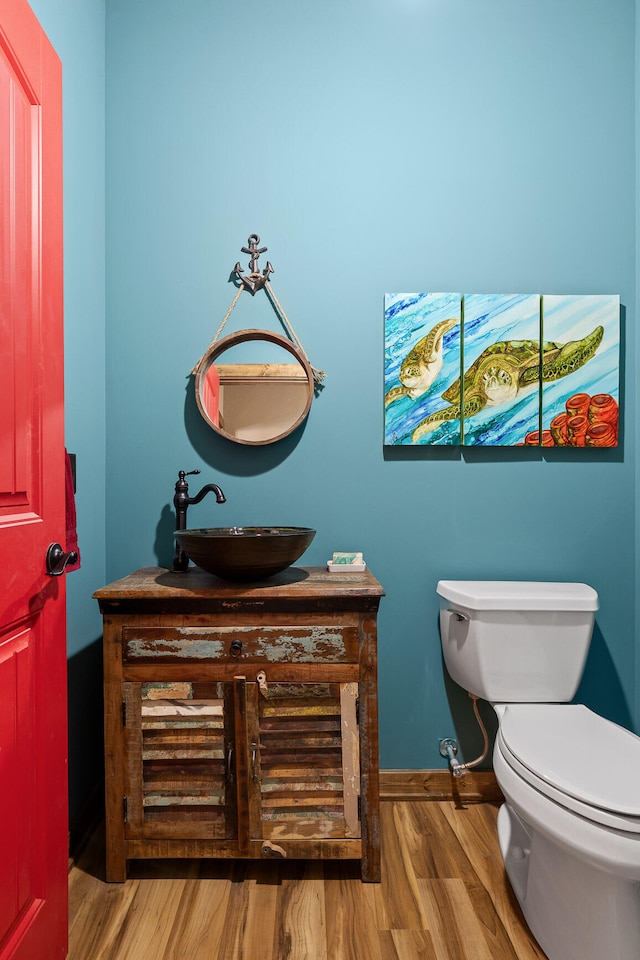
<point x="422" y="364"/>
<point x="502" y="372"/>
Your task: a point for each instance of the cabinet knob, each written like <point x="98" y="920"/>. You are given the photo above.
<point x="236" y="648"/>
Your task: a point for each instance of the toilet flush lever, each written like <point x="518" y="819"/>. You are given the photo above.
<point x="458" y="615"/>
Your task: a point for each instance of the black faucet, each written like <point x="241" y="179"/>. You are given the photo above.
<point x="181" y="501"/>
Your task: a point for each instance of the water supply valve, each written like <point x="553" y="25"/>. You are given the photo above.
<point x="449" y="749"/>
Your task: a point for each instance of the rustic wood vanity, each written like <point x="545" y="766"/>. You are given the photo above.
<point x="241" y="720"/>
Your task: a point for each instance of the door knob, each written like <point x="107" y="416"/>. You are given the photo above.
<point x="57" y="560"/>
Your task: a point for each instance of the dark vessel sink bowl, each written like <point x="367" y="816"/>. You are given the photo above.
<point x="245" y="553"/>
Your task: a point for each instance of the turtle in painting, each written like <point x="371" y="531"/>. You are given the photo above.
<point x="505" y="369"/>
<point x="421" y="365"/>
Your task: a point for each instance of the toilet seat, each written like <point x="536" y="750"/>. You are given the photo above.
<point x="576" y="758"/>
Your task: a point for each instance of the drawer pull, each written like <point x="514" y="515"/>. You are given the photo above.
<point x="236" y="648"/>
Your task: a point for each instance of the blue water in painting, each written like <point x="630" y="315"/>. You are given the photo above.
<point x="488" y="319"/>
<point x="570" y="318"/>
<point x="408" y="318"/>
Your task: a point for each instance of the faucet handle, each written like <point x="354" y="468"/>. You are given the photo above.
<point x="182" y="487"/>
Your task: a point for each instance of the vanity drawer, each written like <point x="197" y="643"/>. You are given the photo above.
<point x="248" y="644"/>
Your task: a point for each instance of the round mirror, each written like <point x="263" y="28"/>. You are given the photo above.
<point x="255" y="393"/>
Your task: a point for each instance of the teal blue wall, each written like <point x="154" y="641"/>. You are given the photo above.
<point x="375" y="146"/>
<point x="76" y="28"/>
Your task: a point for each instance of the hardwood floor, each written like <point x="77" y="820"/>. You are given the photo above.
<point x="443" y="896"/>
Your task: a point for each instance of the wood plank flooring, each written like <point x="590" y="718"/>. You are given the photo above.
<point x="443" y="896"/>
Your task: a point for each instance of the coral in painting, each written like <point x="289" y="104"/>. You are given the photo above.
<point x="585" y="422"/>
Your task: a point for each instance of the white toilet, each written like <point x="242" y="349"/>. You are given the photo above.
<point x="569" y="831"/>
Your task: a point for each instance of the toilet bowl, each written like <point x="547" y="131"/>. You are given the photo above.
<point x="569" y="830"/>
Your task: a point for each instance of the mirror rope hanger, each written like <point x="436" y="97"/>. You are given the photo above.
<point x="253" y="282"/>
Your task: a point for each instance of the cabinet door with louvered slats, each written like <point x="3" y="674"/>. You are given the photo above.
<point x="179" y="749"/>
<point x="305" y="770"/>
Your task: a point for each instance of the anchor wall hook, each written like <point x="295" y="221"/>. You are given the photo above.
<point x="255" y="280"/>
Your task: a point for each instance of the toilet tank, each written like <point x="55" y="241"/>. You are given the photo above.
<point x="516" y="641"/>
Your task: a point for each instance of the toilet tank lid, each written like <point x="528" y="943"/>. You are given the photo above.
<point x="518" y="595"/>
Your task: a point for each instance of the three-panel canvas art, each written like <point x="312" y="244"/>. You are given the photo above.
<point x="502" y="370"/>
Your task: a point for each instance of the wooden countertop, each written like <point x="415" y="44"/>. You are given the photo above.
<point x="157" y="588"/>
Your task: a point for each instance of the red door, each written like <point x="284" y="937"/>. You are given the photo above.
<point x="33" y="736"/>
